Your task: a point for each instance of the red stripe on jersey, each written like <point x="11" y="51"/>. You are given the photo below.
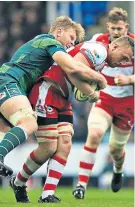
<point x="110" y="80"/>
<point x="75" y="50"/>
<point x="90" y="149"/>
<point x="131" y="35"/>
<point x="60" y="160"/>
<point x="50" y="187"/>
<point x="105" y="38"/>
<point x="21" y="178"/>
<point x="54" y="174"/>
<point x="83" y="178"/>
<point x="86" y="166"/>
<point x="27" y="170"/>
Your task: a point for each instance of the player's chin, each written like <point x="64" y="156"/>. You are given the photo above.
<point x="113" y="65"/>
<point x="114" y="38"/>
<point x="69" y="45"/>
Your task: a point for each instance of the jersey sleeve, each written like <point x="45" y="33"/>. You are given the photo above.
<point x="94" y="38"/>
<point x="55" y="48"/>
<point x="95" y="53"/>
<point x="49" y="45"/>
<point x="89" y="57"/>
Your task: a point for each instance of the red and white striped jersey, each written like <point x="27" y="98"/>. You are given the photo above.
<point x="94" y="52"/>
<point x="109" y="73"/>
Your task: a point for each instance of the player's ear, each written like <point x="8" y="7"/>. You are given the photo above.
<point x="127" y="26"/>
<point x="115" y="46"/>
<point x="59" y="32"/>
<point x="107" y="26"/>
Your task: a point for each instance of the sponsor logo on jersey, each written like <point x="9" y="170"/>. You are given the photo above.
<point x="14" y="92"/>
<point x="2" y="95"/>
<point x="90" y="56"/>
<point x="50" y="110"/>
<point x="40" y="109"/>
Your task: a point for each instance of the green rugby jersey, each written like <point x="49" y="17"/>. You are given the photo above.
<point x="30" y="61"/>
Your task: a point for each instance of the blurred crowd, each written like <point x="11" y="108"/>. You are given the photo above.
<point x="22" y="20"/>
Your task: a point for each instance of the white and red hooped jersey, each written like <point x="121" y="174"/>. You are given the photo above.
<point x="94" y="52"/>
<point x="109" y="73"/>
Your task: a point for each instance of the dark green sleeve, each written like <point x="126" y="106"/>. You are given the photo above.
<point x="55" y="48"/>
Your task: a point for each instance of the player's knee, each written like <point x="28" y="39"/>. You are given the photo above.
<point x="94" y="136"/>
<point x="30" y="124"/>
<point x="65" y="145"/>
<point x="26" y="118"/>
<point x="47" y="148"/>
<point x="65" y="131"/>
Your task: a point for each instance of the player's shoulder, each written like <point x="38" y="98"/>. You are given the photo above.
<point x="97" y="50"/>
<point x="44" y="40"/>
<point x="74" y="49"/>
<point x="101" y="37"/>
<point x="44" y="36"/>
<point x="131" y="35"/>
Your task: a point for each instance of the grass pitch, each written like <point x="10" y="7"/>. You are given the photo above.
<point x="93" y="198"/>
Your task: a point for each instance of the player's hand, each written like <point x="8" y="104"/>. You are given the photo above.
<point x="94" y="97"/>
<point x="102" y="83"/>
<point x="121" y="80"/>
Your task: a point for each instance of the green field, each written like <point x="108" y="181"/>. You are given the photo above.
<point x="93" y="198"/>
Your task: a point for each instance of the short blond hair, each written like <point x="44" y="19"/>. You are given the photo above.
<point x="126" y="41"/>
<point x="66" y="23"/>
<point x="117" y="14"/>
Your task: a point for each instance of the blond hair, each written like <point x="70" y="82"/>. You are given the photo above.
<point x="117" y="14"/>
<point x="126" y="41"/>
<point x="66" y="23"/>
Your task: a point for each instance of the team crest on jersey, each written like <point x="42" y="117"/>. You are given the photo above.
<point x="49" y="109"/>
<point x="2" y="95"/>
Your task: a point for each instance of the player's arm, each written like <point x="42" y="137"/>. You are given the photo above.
<point x="82" y="85"/>
<point x="76" y="68"/>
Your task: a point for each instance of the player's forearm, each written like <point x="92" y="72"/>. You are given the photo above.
<point x="90" y="75"/>
<point x="76" y="68"/>
<point x="83" y="86"/>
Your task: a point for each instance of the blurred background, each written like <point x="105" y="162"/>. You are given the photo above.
<point x="22" y="20"/>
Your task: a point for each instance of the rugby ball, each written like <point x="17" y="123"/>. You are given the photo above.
<point x="79" y="96"/>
